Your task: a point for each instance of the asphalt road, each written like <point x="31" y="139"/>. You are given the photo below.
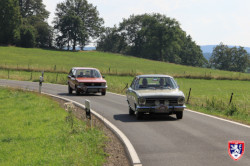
<point x="163" y="140"/>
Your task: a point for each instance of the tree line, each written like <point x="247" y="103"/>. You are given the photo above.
<point x="24" y="23"/>
<point x="231" y="59"/>
<point x="152" y="36"/>
<point x="77" y="22"/>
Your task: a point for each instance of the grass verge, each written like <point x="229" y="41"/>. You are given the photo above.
<point x="34" y="131"/>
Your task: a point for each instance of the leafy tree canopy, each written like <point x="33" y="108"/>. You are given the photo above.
<point x="76" y="22"/>
<point x="152" y="36"/>
<point x="10" y="20"/>
<point x="34" y="10"/>
<point x="231" y="59"/>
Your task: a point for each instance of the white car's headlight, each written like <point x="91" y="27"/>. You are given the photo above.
<point x="181" y="100"/>
<point x="142" y="101"/>
<point x="103" y="84"/>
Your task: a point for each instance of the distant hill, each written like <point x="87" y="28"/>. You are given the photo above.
<point x="208" y="49"/>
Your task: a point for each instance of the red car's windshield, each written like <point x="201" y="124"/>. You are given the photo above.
<point x="87" y="73"/>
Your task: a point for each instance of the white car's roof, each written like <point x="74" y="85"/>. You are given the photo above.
<point x="153" y="75"/>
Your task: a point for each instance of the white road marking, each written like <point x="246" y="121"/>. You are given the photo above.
<point x="215" y="117"/>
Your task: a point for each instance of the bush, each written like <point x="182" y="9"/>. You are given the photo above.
<point x="27" y="36"/>
<point x="231" y="110"/>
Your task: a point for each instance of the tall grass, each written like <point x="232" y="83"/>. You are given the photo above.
<point x="34" y="132"/>
<point x="109" y="63"/>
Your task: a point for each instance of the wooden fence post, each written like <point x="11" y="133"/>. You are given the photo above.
<point x="31" y="75"/>
<point x="231" y="98"/>
<point x="189" y="95"/>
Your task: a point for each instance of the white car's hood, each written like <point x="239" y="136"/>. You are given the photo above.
<point x="159" y="93"/>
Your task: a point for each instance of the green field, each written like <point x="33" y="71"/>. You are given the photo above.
<point x="209" y="96"/>
<point x="34" y="131"/>
<point x="108" y="63"/>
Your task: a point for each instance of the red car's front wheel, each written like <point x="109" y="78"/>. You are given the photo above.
<point x="104" y="93"/>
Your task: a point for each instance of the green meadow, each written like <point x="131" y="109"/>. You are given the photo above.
<point x="34" y="131"/>
<point x="109" y="63"/>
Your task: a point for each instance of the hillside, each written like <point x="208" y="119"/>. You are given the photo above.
<point x="108" y="63"/>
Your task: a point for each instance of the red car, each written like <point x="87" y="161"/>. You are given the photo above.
<point x="86" y="80"/>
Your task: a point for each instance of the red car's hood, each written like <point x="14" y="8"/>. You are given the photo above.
<point x="96" y="80"/>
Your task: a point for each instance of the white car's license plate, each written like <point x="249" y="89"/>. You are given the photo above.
<point x="162" y="108"/>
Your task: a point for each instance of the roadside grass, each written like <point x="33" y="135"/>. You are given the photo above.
<point x="34" y="131"/>
<point x="208" y="96"/>
<point x="33" y="59"/>
<point x="213" y="97"/>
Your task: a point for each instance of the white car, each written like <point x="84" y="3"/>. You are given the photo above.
<point x="155" y="94"/>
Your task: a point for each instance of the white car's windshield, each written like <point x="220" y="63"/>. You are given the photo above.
<point x="87" y="73"/>
<point x="156" y="83"/>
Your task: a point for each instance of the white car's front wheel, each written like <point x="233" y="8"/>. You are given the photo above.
<point x="179" y="115"/>
<point x="131" y="112"/>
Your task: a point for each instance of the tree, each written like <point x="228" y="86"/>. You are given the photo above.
<point x="34" y="15"/>
<point x="44" y="35"/>
<point x="191" y="53"/>
<point x="152" y="36"/>
<point x="33" y="10"/>
<point x="76" y="22"/>
<point x="10" y="20"/>
<point x="231" y="59"/>
<point x="112" y="41"/>
<point x="27" y="36"/>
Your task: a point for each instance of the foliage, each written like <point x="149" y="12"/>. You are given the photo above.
<point x="152" y="36"/>
<point x="10" y="20"/>
<point x="34" y="15"/>
<point x="33" y="9"/>
<point x="24" y="23"/>
<point x="44" y="36"/>
<point x="27" y="36"/>
<point x="231" y="59"/>
<point x="76" y="21"/>
<point x="112" y="41"/>
<point x="189" y="52"/>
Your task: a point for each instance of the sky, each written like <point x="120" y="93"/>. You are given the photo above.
<point x="208" y="22"/>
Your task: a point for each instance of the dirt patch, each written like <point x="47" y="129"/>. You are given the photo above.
<point x="114" y="148"/>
